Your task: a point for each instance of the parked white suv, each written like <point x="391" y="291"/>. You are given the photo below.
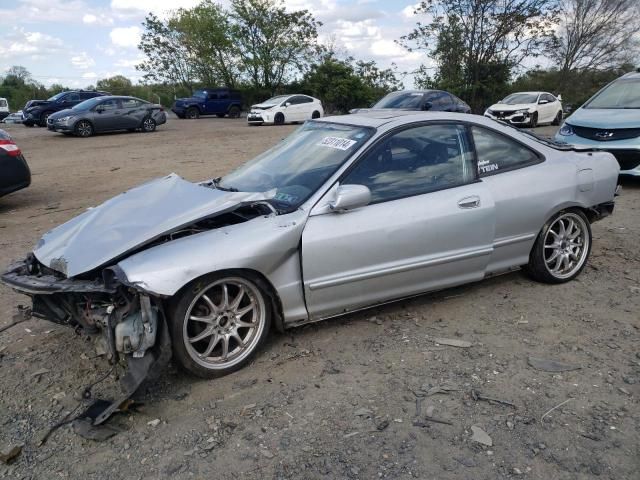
<point x="527" y="109"/>
<point x="4" y="108"/>
<point x="285" y="109"/>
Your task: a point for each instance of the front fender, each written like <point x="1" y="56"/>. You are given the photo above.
<point x="267" y="244"/>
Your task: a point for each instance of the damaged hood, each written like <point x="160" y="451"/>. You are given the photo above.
<point x="132" y="219"/>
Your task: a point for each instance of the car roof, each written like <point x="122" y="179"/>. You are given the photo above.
<point x="377" y="118"/>
<point x="633" y="75"/>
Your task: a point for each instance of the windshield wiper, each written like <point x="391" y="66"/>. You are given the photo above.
<point x="216" y="183"/>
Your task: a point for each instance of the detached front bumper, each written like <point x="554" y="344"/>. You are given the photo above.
<point x="514" y="118"/>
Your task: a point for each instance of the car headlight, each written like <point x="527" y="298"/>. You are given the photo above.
<point x="63" y="119"/>
<point x="523" y="110"/>
<point x="566" y="130"/>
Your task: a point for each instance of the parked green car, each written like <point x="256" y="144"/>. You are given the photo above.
<point x="610" y="120"/>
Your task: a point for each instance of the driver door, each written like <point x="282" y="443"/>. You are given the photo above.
<point x="429" y="225"/>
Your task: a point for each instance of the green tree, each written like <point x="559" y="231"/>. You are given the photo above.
<point x="205" y="31"/>
<point x="167" y="58"/>
<point x="273" y="44"/>
<point x="477" y="43"/>
<point x="116" y="85"/>
<point x="346" y="84"/>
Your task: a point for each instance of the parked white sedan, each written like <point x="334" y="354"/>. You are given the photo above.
<point x="285" y="109"/>
<point x="527" y="109"/>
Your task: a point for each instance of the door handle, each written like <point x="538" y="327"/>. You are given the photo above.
<point x="469" y="202"/>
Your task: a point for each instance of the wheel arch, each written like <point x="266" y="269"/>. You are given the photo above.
<point x="261" y="280"/>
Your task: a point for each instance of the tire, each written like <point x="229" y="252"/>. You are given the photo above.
<point x="148" y="125"/>
<point x="558" y="119"/>
<point x="217" y="324"/>
<point x="534" y="120"/>
<point x="83" y="129"/>
<point x="43" y="119"/>
<point x="554" y="244"/>
<point x="234" y="112"/>
<point x="192" y="113"/>
<point x="315" y="114"/>
<point x="278" y="119"/>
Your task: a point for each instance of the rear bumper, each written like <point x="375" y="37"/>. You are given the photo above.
<point x="603" y="210"/>
<point x="15" y="174"/>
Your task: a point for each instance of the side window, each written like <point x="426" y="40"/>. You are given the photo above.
<point x="497" y="153"/>
<point x="108" y="105"/>
<point x="295" y="100"/>
<point x="223" y="95"/>
<point x="131" y="103"/>
<point x="415" y="161"/>
<point x="305" y="99"/>
<point x="550" y="98"/>
<point x="439" y="100"/>
<point x="212" y="96"/>
<point x="86" y="95"/>
<point x="72" y="97"/>
<point x="3" y="103"/>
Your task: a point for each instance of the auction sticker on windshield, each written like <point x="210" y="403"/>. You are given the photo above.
<point x="337" y="142"/>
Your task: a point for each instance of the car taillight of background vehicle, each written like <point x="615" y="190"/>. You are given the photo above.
<point x="10" y="147"/>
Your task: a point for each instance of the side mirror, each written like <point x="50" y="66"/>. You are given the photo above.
<point x="287" y="104"/>
<point x="543" y="102"/>
<point x="427" y="106"/>
<point x="349" y="197"/>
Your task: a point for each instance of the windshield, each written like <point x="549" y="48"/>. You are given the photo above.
<point x="620" y="94"/>
<point x="298" y="165"/>
<point x="275" y="100"/>
<point x="518" y="98"/>
<point x="401" y="100"/>
<point x="56" y="97"/>
<point x="200" y="94"/>
<point x="88" y="104"/>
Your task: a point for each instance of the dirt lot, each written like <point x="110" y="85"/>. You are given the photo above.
<point x="337" y="399"/>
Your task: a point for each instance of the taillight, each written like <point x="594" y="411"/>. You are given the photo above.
<point x="10" y="147"/>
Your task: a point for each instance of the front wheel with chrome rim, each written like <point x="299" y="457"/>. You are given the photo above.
<point x="218" y="323"/>
<point x="561" y="249"/>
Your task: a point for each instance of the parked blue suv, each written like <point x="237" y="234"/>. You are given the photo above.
<point x="209" y="101"/>
<point x="610" y="120"/>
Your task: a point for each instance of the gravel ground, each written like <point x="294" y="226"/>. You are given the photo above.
<point x="354" y="397"/>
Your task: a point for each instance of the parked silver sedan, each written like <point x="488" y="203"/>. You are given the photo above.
<point x="107" y="113"/>
<point x="345" y="213"/>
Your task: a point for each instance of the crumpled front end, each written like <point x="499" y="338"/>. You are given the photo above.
<point x="127" y="324"/>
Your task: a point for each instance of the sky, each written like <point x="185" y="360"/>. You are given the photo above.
<point x="77" y="42"/>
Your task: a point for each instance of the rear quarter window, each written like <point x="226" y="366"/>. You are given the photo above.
<point x="496" y="153"/>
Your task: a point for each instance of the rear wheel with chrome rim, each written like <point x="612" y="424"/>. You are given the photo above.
<point x="561" y="249"/>
<point x="218" y="323"/>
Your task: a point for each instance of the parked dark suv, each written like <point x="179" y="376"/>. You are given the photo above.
<point x="36" y="112"/>
<point x="209" y="101"/>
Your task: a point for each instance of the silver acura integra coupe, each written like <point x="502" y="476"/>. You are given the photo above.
<point x="345" y="213"/>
